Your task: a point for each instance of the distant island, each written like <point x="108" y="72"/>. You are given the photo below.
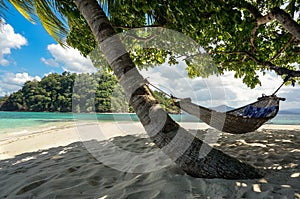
<point x="290" y="111"/>
<point x="222" y="108"/>
<point x="97" y="92"/>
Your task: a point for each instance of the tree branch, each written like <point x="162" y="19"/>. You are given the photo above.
<point x="282" y="70"/>
<point x="257" y="15"/>
<point x="287" y="22"/>
<point x="291" y="7"/>
<point x="248" y="54"/>
<point x="265" y="19"/>
<point x="260" y="21"/>
<point x="252" y="9"/>
<point x="278" y="70"/>
<point x="252" y="38"/>
<point x="282" y="49"/>
<point x="276" y="13"/>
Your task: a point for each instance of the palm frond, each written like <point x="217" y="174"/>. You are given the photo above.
<point x="3" y="8"/>
<point x="26" y="8"/>
<point x="104" y="4"/>
<point x="53" y="22"/>
<point x="68" y="9"/>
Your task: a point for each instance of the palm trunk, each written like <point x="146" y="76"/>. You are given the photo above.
<point x="176" y="142"/>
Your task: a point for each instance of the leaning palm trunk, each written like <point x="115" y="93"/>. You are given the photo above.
<point x="176" y="142"/>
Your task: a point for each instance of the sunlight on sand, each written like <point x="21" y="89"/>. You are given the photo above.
<point x="57" y="163"/>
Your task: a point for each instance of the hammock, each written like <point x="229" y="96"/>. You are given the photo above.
<point x="238" y="121"/>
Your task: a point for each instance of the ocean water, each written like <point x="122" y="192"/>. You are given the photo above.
<point x="286" y="119"/>
<point x="28" y="121"/>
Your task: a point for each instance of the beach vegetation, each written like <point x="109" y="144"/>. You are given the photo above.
<point x="55" y="93"/>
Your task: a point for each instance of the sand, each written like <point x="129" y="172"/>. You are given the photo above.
<point x="117" y="160"/>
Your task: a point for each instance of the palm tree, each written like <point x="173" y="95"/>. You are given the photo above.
<point x="182" y="147"/>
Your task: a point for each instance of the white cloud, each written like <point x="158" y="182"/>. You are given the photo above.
<point x="292" y="95"/>
<point x="9" y="40"/>
<point x="219" y="90"/>
<point x="50" y="62"/>
<point x="69" y="59"/>
<point x="173" y="79"/>
<point x="10" y="82"/>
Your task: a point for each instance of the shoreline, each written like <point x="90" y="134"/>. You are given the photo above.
<point x="12" y="144"/>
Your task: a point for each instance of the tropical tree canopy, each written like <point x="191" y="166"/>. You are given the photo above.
<point x="241" y="36"/>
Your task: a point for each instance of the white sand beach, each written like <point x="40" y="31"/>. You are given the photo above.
<point x="117" y="160"/>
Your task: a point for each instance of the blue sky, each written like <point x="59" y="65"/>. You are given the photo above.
<point x="27" y="52"/>
<point x="27" y="58"/>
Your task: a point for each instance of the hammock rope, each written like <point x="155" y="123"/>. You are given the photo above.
<point x="167" y="94"/>
<point x="245" y="119"/>
<point x="286" y="79"/>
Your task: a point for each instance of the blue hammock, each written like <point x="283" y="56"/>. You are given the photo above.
<point x="258" y="112"/>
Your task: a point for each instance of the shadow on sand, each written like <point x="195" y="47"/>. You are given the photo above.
<point x="74" y="171"/>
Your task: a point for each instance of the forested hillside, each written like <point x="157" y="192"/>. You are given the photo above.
<point x="97" y="92"/>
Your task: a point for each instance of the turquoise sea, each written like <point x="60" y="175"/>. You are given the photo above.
<point x="28" y="121"/>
